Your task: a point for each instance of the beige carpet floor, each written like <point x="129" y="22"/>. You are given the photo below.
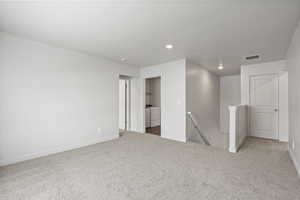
<point x="144" y="167"/>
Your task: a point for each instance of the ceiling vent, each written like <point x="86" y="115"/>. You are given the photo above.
<point x="252" y="57"/>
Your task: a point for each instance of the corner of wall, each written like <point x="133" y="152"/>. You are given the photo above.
<point x="294" y="160"/>
<point x="292" y="61"/>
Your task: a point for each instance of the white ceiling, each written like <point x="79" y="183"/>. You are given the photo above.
<point x="205" y="31"/>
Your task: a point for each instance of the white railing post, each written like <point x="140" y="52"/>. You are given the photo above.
<point x="232" y="128"/>
<point x="237" y="126"/>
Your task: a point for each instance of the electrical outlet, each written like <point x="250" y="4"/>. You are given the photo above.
<point x="99" y="130"/>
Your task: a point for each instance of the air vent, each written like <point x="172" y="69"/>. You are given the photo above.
<point x="252" y="57"/>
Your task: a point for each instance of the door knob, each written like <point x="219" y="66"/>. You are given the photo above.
<point x="276" y="110"/>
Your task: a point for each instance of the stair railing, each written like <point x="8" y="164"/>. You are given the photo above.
<point x="190" y="115"/>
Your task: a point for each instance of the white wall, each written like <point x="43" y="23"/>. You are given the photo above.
<point x="279" y="68"/>
<point x="136" y="114"/>
<point x="230" y="94"/>
<point x="202" y="99"/>
<point x="172" y="97"/>
<point x="293" y="64"/>
<point x="155" y="98"/>
<point x="54" y="99"/>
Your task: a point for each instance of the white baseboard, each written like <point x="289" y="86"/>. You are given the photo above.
<point x="174" y="139"/>
<point x="296" y="164"/>
<point x="232" y="150"/>
<point x="54" y="150"/>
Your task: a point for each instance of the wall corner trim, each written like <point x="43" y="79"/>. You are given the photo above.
<point x="293" y="158"/>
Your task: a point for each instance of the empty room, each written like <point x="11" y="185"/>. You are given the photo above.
<point x="150" y="100"/>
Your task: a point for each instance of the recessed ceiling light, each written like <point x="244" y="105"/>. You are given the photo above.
<point x="123" y="59"/>
<point x="169" y="46"/>
<point x="220" y="67"/>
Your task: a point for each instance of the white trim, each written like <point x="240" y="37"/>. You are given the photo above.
<point x="54" y="150"/>
<point x="296" y="164"/>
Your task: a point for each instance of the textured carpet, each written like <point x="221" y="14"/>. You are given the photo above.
<point x="143" y="166"/>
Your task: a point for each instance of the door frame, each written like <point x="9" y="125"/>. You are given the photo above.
<point x="249" y="111"/>
<point x="127" y="101"/>
<point x="127" y="104"/>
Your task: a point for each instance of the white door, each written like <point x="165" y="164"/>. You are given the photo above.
<point x="124" y="102"/>
<point x="264" y="106"/>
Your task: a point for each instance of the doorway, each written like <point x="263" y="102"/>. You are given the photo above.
<point x="153" y="106"/>
<point x="124" y="103"/>
<point x="264" y="97"/>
